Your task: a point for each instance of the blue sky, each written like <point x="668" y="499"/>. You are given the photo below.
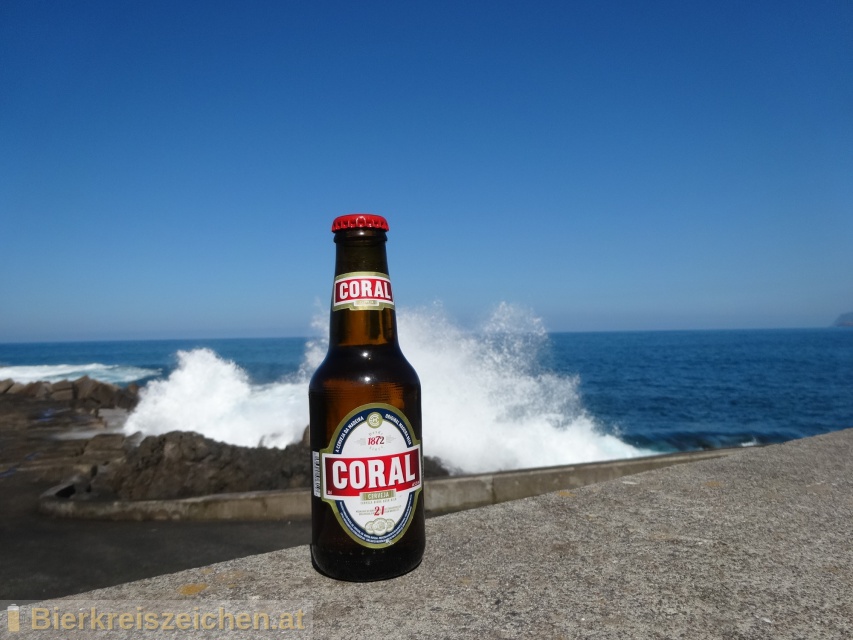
<point x="171" y="169"/>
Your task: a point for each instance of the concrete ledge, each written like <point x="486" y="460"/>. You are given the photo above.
<point x="251" y="505"/>
<point x="753" y="545"/>
<point x="513" y="485"/>
<point x="443" y="495"/>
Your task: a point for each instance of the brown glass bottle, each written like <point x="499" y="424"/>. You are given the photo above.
<point x="365" y="408"/>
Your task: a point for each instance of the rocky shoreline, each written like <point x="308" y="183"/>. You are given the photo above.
<point x="67" y="431"/>
<point x="83" y="393"/>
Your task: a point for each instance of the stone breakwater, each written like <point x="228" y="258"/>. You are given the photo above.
<point x="54" y="432"/>
<point x="83" y="393"/>
<point x="183" y="464"/>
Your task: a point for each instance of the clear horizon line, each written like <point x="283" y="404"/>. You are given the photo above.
<point x="308" y="337"/>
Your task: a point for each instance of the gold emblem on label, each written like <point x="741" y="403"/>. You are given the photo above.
<point x="374" y="420"/>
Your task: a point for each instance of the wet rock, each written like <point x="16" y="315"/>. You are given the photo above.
<point x="105" y="394"/>
<point x="174" y="465"/>
<point x="63" y="391"/>
<point x="113" y="418"/>
<point x="37" y="390"/>
<point x="92" y="395"/>
<point x="433" y="468"/>
<point x="127" y="398"/>
<point x="106" y="442"/>
<point x="183" y="464"/>
<point x="83" y="387"/>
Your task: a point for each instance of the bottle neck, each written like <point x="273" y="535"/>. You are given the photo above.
<point x="362" y="303"/>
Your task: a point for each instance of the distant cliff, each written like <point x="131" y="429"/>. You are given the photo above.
<point x="844" y="320"/>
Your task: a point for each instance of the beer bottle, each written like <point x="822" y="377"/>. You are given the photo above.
<point x="365" y="413"/>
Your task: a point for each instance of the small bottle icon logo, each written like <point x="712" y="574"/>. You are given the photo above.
<point x="13" y="618"/>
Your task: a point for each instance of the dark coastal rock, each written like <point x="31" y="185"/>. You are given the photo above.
<point x="62" y="391"/>
<point x="105" y="394"/>
<point x="83" y="387"/>
<point x="38" y="390"/>
<point x="109" y="445"/>
<point x="128" y="397"/>
<point x="182" y="464"/>
<point x="175" y="465"/>
<point x="63" y="385"/>
<point x="84" y="393"/>
<point x="92" y="395"/>
<point x="433" y="468"/>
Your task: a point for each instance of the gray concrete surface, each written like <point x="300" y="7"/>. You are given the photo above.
<point x="752" y="545"/>
<point x="43" y="442"/>
<point x="43" y="557"/>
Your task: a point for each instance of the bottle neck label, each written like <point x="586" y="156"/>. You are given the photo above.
<point x="362" y="291"/>
<point x="370" y="474"/>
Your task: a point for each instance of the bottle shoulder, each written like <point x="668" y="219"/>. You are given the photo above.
<point x="369" y="364"/>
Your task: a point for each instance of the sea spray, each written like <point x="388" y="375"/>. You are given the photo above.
<point x="214" y="397"/>
<point x="488" y="404"/>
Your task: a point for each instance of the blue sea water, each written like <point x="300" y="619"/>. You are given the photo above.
<point x="121" y="362"/>
<point x="709" y="389"/>
<point x="578" y="396"/>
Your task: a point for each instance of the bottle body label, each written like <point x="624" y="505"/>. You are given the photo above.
<point x="361" y="291"/>
<point x="370" y="474"/>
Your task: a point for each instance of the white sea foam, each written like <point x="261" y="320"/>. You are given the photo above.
<point x="488" y="406"/>
<point x="212" y="396"/>
<point x="486" y="403"/>
<point x="116" y="374"/>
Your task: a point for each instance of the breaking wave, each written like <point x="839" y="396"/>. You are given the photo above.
<point x="116" y="374"/>
<point x="488" y="404"/>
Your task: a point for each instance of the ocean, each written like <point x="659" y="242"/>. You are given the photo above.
<point x="509" y="395"/>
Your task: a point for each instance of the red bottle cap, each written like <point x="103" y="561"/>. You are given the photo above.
<point x="360" y="221"/>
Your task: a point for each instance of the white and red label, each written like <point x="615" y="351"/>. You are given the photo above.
<point x="348" y="477"/>
<point x="362" y="291"/>
<point x="371" y="474"/>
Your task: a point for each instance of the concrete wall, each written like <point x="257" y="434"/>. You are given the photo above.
<point x="754" y="545"/>
<point x="443" y="495"/>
